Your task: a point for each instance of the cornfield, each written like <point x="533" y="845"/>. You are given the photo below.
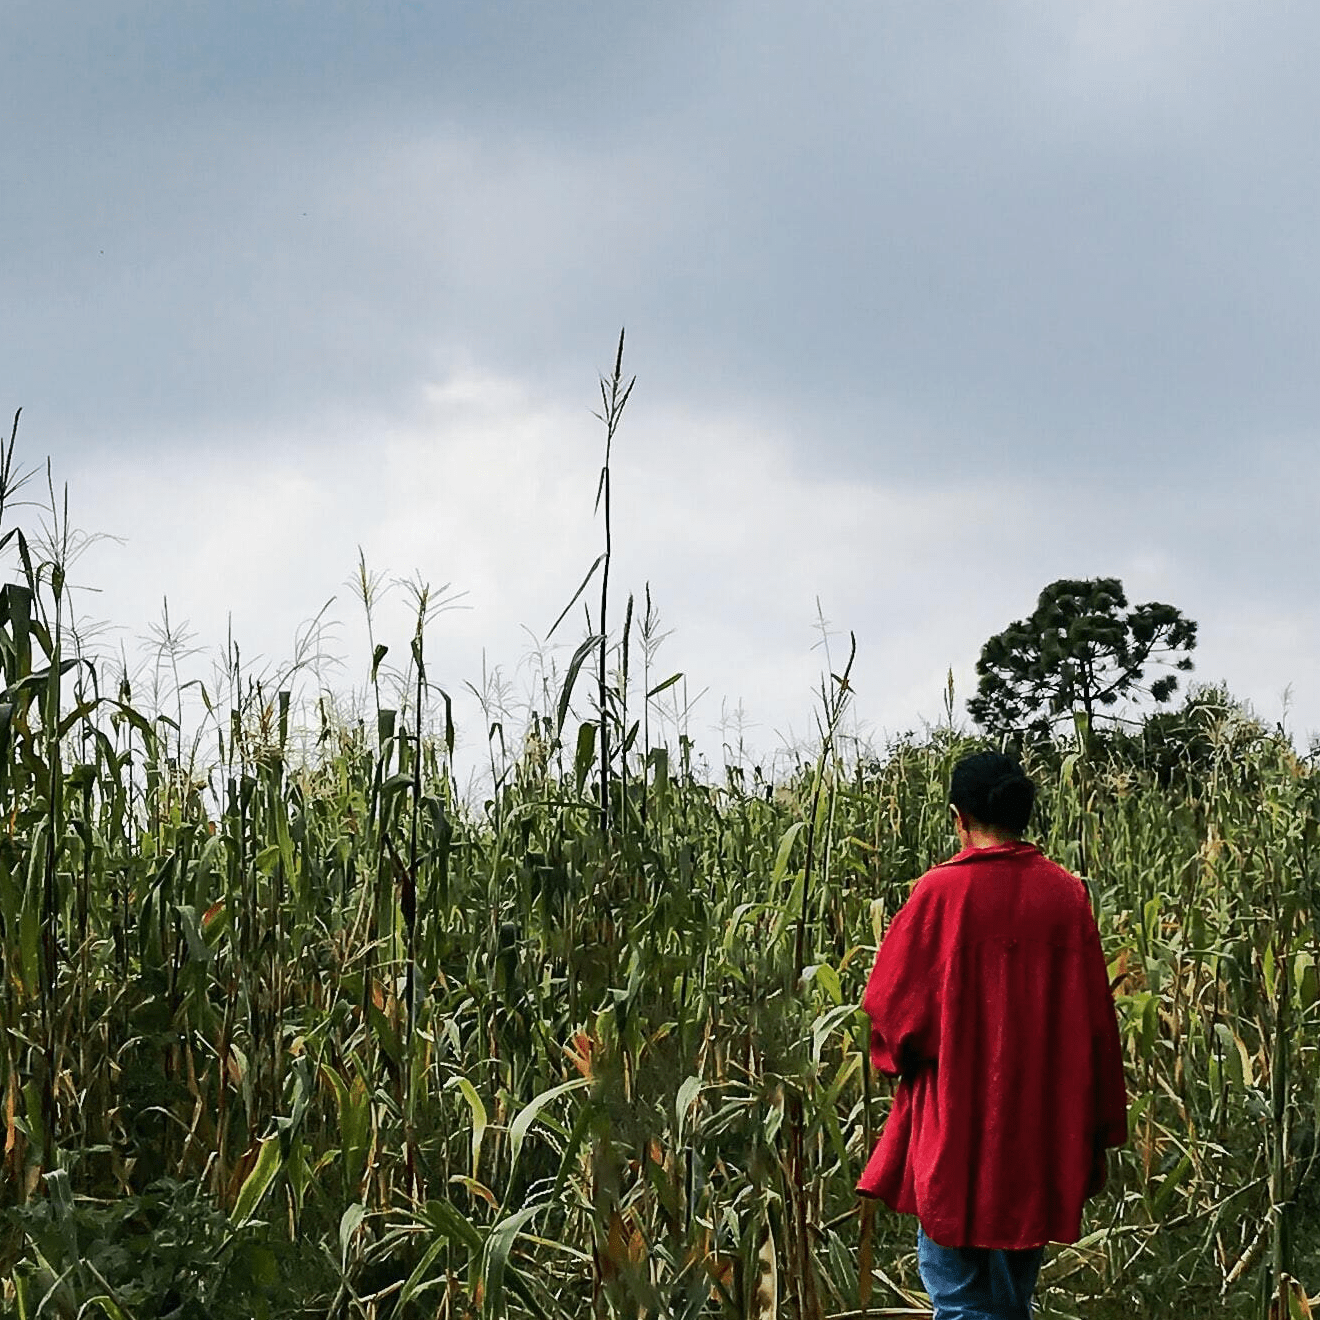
<point x="290" y="1028"/>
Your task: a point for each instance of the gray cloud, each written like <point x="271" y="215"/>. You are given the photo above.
<point x="929" y="247"/>
<point x="923" y="233"/>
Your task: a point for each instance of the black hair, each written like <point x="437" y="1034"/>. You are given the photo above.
<point x="993" y="790"/>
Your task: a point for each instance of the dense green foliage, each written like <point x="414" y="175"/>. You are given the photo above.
<point x="1078" y="653"/>
<point x="302" y="1034"/>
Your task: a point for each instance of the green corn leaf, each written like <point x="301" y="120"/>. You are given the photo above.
<point x="584" y="755"/>
<point x="782" y="854"/>
<point x="258" y="1182"/>
<point x="349" y="1223"/>
<point x="683" y="1102"/>
<point x="591" y="572"/>
<point x="417" y="1282"/>
<point x="444" y="1217"/>
<point x="663" y="687"/>
<point x="479" y="1119"/>
<point x="1168" y="1186"/>
<point x="108" y="1307"/>
<point x="566" y="692"/>
<point x="495" y="1259"/>
<point x="528" y="1115"/>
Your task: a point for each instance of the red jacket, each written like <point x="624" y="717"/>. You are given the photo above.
<point x="991" y="999"/>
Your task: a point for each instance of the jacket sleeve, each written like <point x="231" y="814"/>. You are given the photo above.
<point x="1110" y="1127"/>
<point x="902" y="998"/>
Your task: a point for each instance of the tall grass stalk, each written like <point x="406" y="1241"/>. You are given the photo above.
<point x="301" y="1032"/>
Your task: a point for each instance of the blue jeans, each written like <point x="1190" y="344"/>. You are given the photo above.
<point x="975" y="1283"/>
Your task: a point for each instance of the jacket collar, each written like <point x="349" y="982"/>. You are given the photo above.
<point x="1014" y="848"/>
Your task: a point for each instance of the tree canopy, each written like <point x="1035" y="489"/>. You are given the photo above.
<point x="1081" y="650"/>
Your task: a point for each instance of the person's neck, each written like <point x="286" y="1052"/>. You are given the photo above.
<point x="981" y="837"/>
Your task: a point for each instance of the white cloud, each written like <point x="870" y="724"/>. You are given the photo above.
<point x="489" y="489"/>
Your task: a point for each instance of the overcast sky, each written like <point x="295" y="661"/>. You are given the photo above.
<point x="928" y="305"/>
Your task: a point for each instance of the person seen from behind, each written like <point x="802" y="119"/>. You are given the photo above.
<point x="990" y="1001"/>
